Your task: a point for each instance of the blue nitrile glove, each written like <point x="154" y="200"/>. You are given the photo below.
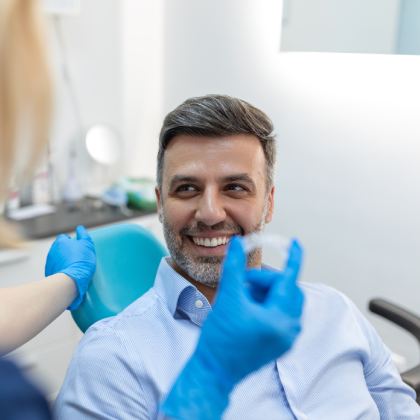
<point x="255" y="320"/>
<point x="75" y="258"/>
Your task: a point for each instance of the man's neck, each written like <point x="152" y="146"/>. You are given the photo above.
<point x="207" y="291"/>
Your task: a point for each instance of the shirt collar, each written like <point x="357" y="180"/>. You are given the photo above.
<point x="182" y="298"/>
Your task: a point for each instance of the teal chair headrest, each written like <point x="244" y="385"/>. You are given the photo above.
<point x="128" y="257"/>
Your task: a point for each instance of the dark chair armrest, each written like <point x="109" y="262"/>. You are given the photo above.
<point x="412" y="377"/>
<point x="398" y="315"/>
<point x="409" y="322"/>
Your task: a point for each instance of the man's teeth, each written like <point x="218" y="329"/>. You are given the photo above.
<point x="211" y="242"/>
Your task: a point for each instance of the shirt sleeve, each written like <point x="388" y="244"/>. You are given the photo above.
<point x="394" y="399"/>
<point x="101" y="382"/>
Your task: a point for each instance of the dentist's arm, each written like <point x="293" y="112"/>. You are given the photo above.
<point x="26" y="310"/>
<point x="255" y="320"/>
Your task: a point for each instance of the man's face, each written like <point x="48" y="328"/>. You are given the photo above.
<point x="212" y="188"/>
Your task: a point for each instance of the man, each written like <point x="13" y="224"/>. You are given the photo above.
<point x="215" y="180"/>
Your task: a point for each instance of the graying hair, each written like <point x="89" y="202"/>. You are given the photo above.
<point x="216" y="116"/>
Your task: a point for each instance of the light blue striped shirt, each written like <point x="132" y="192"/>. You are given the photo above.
<point x="338" y="368"/>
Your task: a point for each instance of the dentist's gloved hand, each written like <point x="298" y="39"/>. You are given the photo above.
<point x="255" y="320"/>
<point x="75" y="258"/>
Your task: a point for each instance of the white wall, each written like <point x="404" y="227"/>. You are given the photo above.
<point x="143" y="64"/>
<point x="92" y="41"/>
<point x="348" y="174"/>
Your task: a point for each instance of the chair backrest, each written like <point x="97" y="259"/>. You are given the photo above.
<point x="128" y="257"/>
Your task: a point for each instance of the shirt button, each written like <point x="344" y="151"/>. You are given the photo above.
<point x="199" y="303"/>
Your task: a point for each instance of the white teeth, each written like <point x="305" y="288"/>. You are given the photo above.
<point x="211" y="242"/>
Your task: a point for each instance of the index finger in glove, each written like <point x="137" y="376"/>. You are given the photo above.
<point x="287" y="281"/>
<point x="294" y="262"/>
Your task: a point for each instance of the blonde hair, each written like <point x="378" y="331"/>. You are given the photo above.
<point x="25" y="94"/>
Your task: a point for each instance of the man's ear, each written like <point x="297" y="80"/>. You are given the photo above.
<point x="159" y="204"/>
<point x="270" y="208"/>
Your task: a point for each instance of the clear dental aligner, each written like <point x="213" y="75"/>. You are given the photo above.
<point x="262" y="239"/>
<point x="278" y="243"/>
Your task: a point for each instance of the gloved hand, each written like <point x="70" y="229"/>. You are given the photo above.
<point x="75" y="258"/>
<point x="255" y="319"/>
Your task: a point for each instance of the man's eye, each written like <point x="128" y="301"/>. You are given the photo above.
<point x="235" y="188"/>
<point x="186" y="188"/>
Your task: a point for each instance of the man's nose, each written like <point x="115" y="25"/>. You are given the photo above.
<point x="210" y="208"/>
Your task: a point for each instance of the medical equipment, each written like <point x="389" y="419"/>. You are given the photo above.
<point x="141" y="193"/>
<point x="102" y="147"/>
<point x="260" y="239"/>
<point x="72" y="192"/>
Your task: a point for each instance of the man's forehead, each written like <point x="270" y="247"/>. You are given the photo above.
<point x="228" y="156"/>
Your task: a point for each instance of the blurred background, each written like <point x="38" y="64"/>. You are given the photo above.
<point x="340" y="80"/>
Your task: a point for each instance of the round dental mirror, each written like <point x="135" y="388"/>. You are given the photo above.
<point x="102" y="144"/>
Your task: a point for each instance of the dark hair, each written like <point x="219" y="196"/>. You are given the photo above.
<point x="216" y="116"/>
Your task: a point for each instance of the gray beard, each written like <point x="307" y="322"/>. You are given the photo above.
<point x="205" y="270"/>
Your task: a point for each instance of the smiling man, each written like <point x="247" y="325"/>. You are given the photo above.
<point x="215" y="180"/>
<point x="211" y="189"/>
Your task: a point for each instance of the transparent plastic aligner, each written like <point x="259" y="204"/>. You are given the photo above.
<point x="279" y="244"/>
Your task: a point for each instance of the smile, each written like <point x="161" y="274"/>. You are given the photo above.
<point x="211" y="242"/>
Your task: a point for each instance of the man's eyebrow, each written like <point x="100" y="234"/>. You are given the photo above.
<point x="243" y="177"/>
<point x="239" y="177"/>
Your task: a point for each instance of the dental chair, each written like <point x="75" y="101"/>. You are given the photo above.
<point x="409" y="322"/>
<point x="128" y="257"/>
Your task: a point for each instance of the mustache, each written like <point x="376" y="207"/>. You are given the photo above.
<point x="201" y="227"/>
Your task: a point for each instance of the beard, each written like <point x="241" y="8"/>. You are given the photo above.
<point x="205" y="270"/>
